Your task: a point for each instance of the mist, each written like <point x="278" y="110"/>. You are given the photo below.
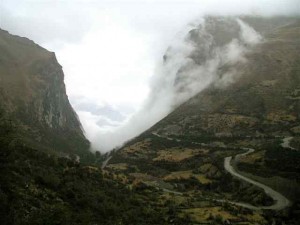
<point x="128" y="64"/>
<point x="179" y="77"/>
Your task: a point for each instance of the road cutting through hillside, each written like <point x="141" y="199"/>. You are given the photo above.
<point x="281" y="201"/>
<point x="104" y="163"/>
<point x="286" y="143"/>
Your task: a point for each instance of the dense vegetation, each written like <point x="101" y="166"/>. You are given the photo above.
<point x="42" y="181"/>
<point x="221" y="182"/>
<point x="41" y="188"/>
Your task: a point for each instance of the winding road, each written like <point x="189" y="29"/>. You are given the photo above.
<point x="104" y="163"/>
<point x="286" y="143"/>
<point x="281" y="201"/>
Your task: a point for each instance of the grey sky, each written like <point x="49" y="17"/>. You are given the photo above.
<point x="110" y="50"/>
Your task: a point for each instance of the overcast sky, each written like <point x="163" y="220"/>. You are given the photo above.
<point x="110" y="50"/>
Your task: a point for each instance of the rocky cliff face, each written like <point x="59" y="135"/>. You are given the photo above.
<point x="33" y="96"/>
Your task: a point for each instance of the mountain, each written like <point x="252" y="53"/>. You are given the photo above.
<point x="33" y="97"/>
<point x="263" y="99"/>
<point x="227" y="154"/>
<point x="251" y="104"/>
<point x="47" y="173"/>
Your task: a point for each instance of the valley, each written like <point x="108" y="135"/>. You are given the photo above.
<point x="227" y="153"/>
<point x="195" y="184"/>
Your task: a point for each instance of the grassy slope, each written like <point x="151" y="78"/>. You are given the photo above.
<point x="263" y="103"/>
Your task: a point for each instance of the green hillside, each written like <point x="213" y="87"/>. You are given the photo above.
<point x="185" y="151"/>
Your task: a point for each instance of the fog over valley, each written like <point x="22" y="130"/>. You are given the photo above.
<point x="128" y="64"/>
<point x="149" y="112"/>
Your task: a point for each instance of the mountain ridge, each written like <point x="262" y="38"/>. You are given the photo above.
<point x="174" y="172"/>
<point x="258" y="109"/>
<point x="47" y="173"/>
<point x="33" y="96"/>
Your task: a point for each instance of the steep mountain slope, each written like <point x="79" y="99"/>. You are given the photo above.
<point x="250" y="103"/>
<point x="174" y="172"/>
<point x="264" y="97"/>
<point x="33" y="98"/>
<point x="42" y="180"/>
<point x="39" y="188"/>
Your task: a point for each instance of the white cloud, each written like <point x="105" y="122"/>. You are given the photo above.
<point x="111" y="52"/>
<point x="103" y="66"/>
<point x="248" y="34"/>
<point x="179" y="78"/>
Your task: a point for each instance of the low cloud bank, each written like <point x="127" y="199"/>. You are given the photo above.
<point x="191" y="63"/>
<point x="111" y="53"/>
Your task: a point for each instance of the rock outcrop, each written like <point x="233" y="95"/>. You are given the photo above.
<point x="33" y="97"/>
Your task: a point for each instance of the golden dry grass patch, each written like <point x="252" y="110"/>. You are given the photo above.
<point x="142" y="177"/>
<point x="137" y="147"/>
<point x="118" y="166"/>
<point x="229" y="121"/>
<point x="177" y="155"/>
<point x="187" y="174"/>
<point x="253" y="158"/>
<point x="177" y="199"/>
<point x="91" y="169"/>
<point x="205" y="167"/>
<point x="256" y="218"/>
<point x="122" y="178"/>
<point x="281" y="116"/>
<point x="296" y="129"/>
<point x="203" y="214"/>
